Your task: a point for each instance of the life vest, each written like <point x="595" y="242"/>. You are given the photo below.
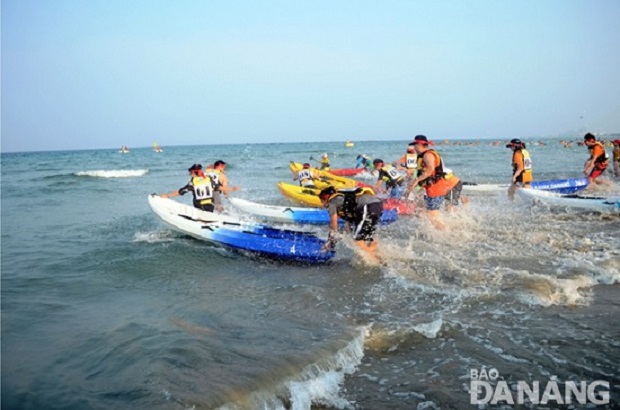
<point x="390" y="176"/>
<point x="601" y="159"/>
<point x="305" y="177"/>
<point x="203" y="190"/>
<point x="437" y="174"/>
<point x="526" y="175"/>
<point x="214" y="174"/>
<point x="411" y="161"/>
<point x="348" y="211"/>
<point x="325" y="164"/>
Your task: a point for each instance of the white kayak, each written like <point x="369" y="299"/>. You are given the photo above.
<point x="560" y="186"/>
<point x="230" y="232"/>
<point x="610" y="204"/>
<point x="299" y="215"/>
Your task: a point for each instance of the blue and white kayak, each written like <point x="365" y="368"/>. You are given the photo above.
<point x="299" y="215"/>
<point x="560" y="186"/>
<point x="592" y="203"/>
<point x="233" y="233"/>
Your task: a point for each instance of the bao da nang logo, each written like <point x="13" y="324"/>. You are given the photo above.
<point x="487" y="387"/>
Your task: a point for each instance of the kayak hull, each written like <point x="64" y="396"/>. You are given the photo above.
<point x="572" y="201"/>
<point x="232" y="233"/>
<point x="560" y="186"/>
<point x="310" y="197"/>
<point x="346" y="172"/>
<point x="327" y="178"/>
<point x="284" y="214"/>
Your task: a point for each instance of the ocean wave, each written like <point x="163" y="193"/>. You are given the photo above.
<point x="115" y="173"/>
<point x="319" y="383"/>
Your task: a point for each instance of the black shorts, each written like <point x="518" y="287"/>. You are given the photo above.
<point x="205" y="207"/>
<point x="367" y="220"/>
<point x="454" y="195"/>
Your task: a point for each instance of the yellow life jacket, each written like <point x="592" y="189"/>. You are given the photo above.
<point x="203" y="190"/>
<point x="526" y="175"/>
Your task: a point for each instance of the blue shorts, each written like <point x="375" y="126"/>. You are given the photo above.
<point x="434" y="203"/>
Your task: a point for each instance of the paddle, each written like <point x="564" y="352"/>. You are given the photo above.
<point x="313" y="159"/>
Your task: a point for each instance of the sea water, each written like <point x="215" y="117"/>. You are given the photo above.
<point x="105" y="307"/>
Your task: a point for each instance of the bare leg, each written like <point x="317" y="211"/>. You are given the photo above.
<point x="369" y="251"/>
<point x="511" y="191"/>
<point x="435" y="217"/>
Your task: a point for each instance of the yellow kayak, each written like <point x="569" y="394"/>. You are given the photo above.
<point x="327" y="179"/>
<point x="301" y="195"/>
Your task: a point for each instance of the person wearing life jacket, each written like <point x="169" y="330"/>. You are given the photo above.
<point x="388" y="174"/>
<point x="363" y="161"/>
<point x="455" y="187"/>
<point x="324" y="162"/>
<point x="360" y="209"/>
<point x="409" y="161"/>
<point x="431" y="177"/>
<point x="220" y="183"/>
<point x="200" y="185"/>
<point x="521" y="167"/>
<point x="616" y="158"/>
<point x="598" y="161"/>
<point x="305" y="176"/>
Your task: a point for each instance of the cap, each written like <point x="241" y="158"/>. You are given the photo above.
<point x="324" y="155"/>
<point x="306" y="165"/>
<point x="589" y="137"/>
<point x="514" y="143"/>
<point x="327" y="192"/>
<point x="421" y="139"/>
<point x="195" y="167"/>
<point x="617" y="142"/>
<point x="411" y="146"/>
<point x="377" y="161"/>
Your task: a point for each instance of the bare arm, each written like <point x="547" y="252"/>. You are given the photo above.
<point x="429" y="167"/>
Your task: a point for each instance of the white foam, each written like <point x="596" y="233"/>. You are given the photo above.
<point x="128" y="173"/>
<point x="429" y="330"/>
<point x="318" y="383"/>
<point x="152" y="237"/>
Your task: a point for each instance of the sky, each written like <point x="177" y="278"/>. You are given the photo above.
<point x="90" y="74"/>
